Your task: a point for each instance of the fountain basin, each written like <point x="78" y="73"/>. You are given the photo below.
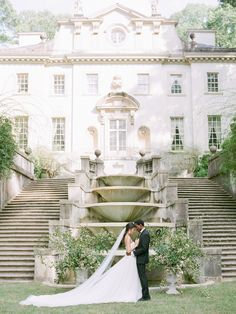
<point x="121" y="180"/>
<point x="116" y="227"/>
<point x="121" y="193"/>
<point x="123" y="211"/>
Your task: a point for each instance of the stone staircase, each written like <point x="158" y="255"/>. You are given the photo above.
<point x="24" y="226"/>
<point x="217" y="209"/>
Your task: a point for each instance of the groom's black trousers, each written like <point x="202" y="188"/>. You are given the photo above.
<point x="143" y="280"/>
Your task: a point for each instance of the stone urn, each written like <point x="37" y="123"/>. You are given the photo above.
<point x="171" y="280"/>
<point x="81" y="276"/>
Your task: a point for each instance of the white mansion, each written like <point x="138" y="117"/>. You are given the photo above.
<point x="119" y="81"/>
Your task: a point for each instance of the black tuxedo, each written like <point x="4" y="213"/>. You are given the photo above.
<point x="142" y="254"/>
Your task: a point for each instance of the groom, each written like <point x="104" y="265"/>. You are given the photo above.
<point x="142" y="254"/>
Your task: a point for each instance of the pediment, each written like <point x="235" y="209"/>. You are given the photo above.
<point x="118" y="101"/>
<point x="119" y="9"/>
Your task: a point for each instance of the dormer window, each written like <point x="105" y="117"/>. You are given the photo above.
<point x="117" y="36"/>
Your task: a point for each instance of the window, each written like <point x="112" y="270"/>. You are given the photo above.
<point x="214" y="131"/>
<point x="117" y="135"/>
<point x="117" y="36"/>
<point x="22" y="83"/>
<point x="177" y="133"/>
<point x="176" y="84"/>
<point x="92" y="80"/>
<point x="143" y="84"/>
<point x="21" y="131"/>
<point x="58" y="140"/>
<point x="212" y="82"/>
<point x="59" y="84"/>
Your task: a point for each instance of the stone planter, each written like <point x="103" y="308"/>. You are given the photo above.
<point x="171" y="279"/>
<point x="81" y="276"/>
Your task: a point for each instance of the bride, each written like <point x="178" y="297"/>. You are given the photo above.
<point x="120" y="283"/>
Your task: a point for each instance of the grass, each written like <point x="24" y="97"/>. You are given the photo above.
<point x="217" y="299"/>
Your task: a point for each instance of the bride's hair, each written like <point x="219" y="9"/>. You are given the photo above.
<point x="129" y="226"/>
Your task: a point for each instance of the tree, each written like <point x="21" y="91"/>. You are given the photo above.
<point x="192" y="16"/>
<point x="222" y="19"/>
<point x="231" y="2"/>
<point x="32" y="21"/>
<point x="7" y="146"/>
<point x="8" y="20"/>
<point x="199" y="16"/>
<point x="42" y="21"/>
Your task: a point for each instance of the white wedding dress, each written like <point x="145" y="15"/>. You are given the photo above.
<point x="120" y="283"/>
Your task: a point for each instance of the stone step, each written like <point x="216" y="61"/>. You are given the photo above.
<point x="16" y="259"/>
<point x="218" y="216"/>
<point x="228" y="269"/>
<point x="229" y="262"/>
<point x="224" y="233"/>
<point x="6" y="252"/>
<point x="20" y="269"/>
<point x="24" y="246"/>
<point x="217" y="237"/>
<point x="228" y="258"/>
<point x="220" y="232"/>
<point x="24" y="228"/>
<point x="22" y="237"/>
<point x="31" y="232"/>
<point x="36" y="219"/>
<point x="219" y="243"/>
<point x="28" y="213"/>
<point x="17" y="276"/>
<point x="31" y="206"/>
<point x="229" y="275"/>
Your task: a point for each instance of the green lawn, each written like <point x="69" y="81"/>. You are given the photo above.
<point x="216" y="299"/>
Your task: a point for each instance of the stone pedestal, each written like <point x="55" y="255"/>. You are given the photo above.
<point x="195" y="231"/>
<point x="211" y="265"/>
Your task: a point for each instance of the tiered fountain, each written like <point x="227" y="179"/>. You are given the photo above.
<point x="97" y="200"/>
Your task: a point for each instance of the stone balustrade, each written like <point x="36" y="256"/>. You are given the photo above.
<point x="22" y="173"/>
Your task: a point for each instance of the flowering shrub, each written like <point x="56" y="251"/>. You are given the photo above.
<point x="85" y="252"/>
<point x="174" y="251"/>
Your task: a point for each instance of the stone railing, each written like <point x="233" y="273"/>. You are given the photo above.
<point x="227" y="181"/>
<point x="22" y="173"/>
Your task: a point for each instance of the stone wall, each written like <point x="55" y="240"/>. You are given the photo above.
<point x="21" y="174"/>
<point x="227" y="181"/>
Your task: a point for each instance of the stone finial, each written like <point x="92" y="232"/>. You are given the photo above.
<point x="97" y="153"/>
<point x="142" y="153"/>
<point x="213" y="149"/>
<point x="78" y="8"/>
<point x="193" y="42"/>
<point x="116" y="84"/>
<point x="154" y="7"/>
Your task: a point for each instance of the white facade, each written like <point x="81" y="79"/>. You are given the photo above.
<point x="119" y="81"/>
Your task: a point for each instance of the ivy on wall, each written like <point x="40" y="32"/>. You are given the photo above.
<point x="7" y="147"/>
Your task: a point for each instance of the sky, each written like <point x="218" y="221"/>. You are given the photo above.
<point x="166" y="7"/>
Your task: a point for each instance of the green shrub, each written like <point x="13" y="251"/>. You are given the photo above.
<point x="201" y="169"/>
<point x="175" y="252"/>
<point x="7" y="147"/>
<point x="84" y="252"/>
